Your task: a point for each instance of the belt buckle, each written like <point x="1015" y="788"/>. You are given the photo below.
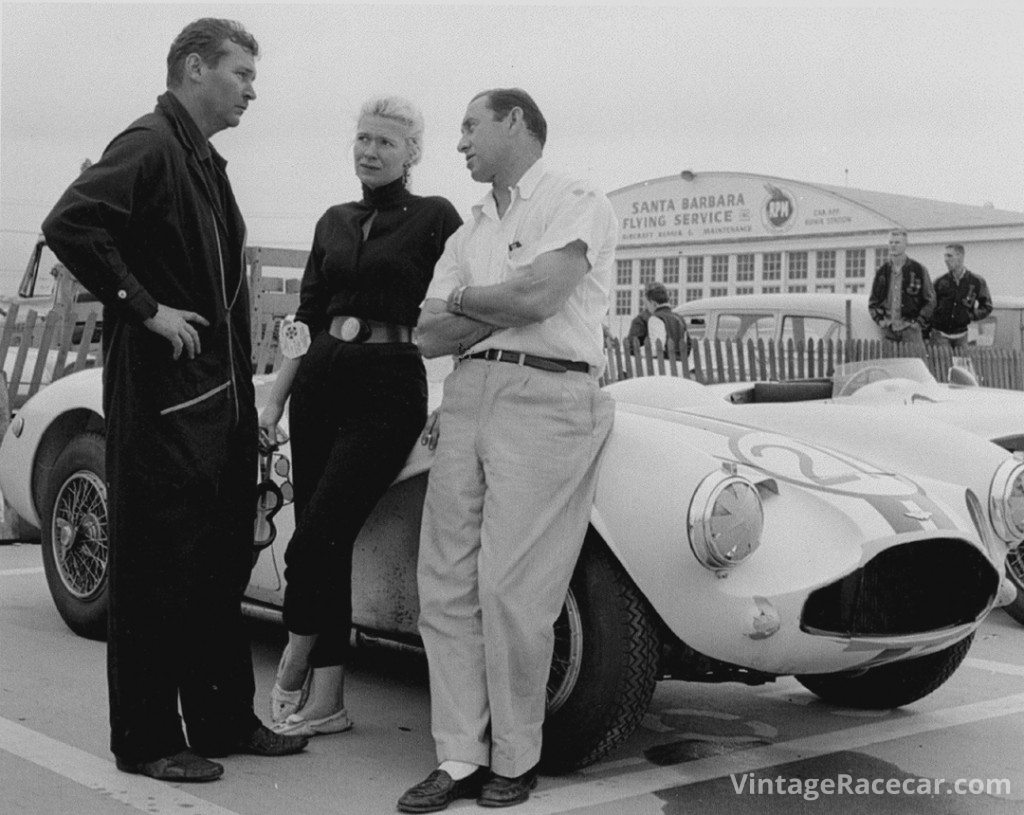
<point x="353" y="329"/>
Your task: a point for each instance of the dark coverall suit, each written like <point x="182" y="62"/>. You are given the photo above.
<point x="155" y="221"/>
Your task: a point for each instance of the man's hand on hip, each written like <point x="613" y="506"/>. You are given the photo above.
<point x="174" y="325"/>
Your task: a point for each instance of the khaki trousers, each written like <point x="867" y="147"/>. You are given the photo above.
<point x="507" y="505"/>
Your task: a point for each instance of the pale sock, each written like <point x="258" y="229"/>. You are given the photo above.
<point x="458" y="769"/>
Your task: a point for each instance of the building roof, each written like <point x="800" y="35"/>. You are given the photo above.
<point x="910" y="212"/>
<point x="926" y="213"/>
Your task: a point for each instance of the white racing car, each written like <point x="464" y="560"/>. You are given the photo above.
<point x="730" y="540"/>
<point x="907" y="392"/>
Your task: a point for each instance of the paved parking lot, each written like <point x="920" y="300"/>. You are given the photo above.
<point x="702" y="748"/>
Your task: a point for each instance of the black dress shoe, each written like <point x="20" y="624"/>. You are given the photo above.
<point x="183" y="766"/>
<point x="501" y="791"/>
<point x="439" y="789"/>
<point x="260" y="742"/>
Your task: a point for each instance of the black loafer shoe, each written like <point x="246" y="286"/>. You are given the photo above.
<point x="439" y="789"/>
<point x="260" y="742"/>
<point x="500" y="791"/>
<point x="184" y="766"/>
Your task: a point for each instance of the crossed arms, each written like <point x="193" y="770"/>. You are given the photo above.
<point x="536" y="293"/>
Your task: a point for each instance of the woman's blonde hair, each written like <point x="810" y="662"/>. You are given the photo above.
<point x="401" y="110"/>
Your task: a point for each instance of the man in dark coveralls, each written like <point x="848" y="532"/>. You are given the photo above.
<point x="153" y="230"/>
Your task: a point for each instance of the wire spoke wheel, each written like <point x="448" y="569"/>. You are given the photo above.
<point x="567" y="658"/>
<point x="79" y="534"/>
<point x="75" y="535"/>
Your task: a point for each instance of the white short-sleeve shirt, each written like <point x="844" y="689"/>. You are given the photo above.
<point x="548" y="211"/>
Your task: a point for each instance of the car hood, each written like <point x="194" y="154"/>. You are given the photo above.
<point x="991" y="413"/>
<point x="882" y="438"/>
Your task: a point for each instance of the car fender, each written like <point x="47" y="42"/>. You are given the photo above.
<point x="77" y="394"/>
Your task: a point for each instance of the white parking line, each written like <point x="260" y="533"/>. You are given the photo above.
<point x="26" y="570"/>
<point x="572" y="797"/>
<point x="101" y="776"/>
<point x="1007" y="668"/>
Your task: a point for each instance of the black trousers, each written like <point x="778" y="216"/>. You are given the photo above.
<point x="181" y="509"/>
<point x="356" y="412"/>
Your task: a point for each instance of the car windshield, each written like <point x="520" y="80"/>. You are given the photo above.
<point x="852" y="376"/>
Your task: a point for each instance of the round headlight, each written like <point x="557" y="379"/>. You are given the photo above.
<point x="1006" y="501"/>
<point x="725" y="521"/>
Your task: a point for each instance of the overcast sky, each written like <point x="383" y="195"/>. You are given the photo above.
<point x="921" y="99"/>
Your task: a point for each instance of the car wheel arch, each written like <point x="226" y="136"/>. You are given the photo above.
<point x="56" y="437"/>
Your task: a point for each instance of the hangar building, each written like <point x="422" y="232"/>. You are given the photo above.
<point x="718" y="233"/>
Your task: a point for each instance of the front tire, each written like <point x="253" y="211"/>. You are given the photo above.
<point x="604" y="667"/>
<point x="892" y="685"/>
<point x="1015" y="572"/>
<point x="75" y="539"/>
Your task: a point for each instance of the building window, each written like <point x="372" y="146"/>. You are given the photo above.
<point x="624" y="272"/>
<point x="624" y="302"/>
<point x="772" y="268"/>
<point x="673" y="297"/>
<point x="856" y="261"/>
<point x="825" y="265"/>
<point x="719" y="269"/>
<point x="854" y="288"/>
<point x="694" y="294"/>
<point x="796" y="289"/>
<point x="744" y="290"/>
<point x="719" y="291"/>
<point x="771" y="289"/>
<point x="881" y="255"/>
<point x="797" y="266"/>
<point x="695" y="269"/>
<point x="646" y="270"/>
<point x="825" y="288"/>
<point x="670" y="271"/>
<point x="744" y="267"/>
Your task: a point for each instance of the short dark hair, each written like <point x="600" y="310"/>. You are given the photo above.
<point x="502" y="100"/>
<point x="956" y="247"/>
<point x="656" y="292"/>
<point x="206" y="37"/>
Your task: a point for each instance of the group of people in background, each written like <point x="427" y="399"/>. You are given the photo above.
<point x="517" y="294"/>
<point x="903" y="301"/>
<point x="909" y="308"/>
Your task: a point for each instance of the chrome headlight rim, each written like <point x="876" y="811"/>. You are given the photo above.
<point x="701" y="521"/>
<point x="1004" y="512"/>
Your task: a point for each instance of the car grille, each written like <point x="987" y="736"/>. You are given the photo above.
<point x="917" y="587"/>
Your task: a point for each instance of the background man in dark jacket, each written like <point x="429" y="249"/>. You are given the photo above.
<point x="902" y="297"/>
<point x="961" y="297"/>
<point x="153" y="230"/>
<point x="657" y="321"/>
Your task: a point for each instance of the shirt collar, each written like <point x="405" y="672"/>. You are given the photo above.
<point x="525" y="187"/>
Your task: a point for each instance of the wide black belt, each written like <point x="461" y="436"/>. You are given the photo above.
<point x="559" y="366"/>
<point x="360" y="329"/>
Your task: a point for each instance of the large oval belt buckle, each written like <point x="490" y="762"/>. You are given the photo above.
<point x="354" y="329"/>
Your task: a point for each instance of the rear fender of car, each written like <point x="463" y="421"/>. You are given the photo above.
<point x="40" y="430"/>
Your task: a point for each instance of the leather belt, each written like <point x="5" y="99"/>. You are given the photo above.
<point x="559" y="366"/>
<point x="360" y="329"/>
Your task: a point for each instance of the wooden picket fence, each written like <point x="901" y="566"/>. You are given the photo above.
<point x="35" y="349"/>
<point x="728" y="361"/>
<point x="40" y="348"/>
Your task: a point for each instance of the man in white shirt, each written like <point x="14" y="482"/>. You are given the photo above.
<point x="519" y="296"/>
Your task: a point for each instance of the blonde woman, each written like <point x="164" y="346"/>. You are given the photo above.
<point x="358" y="399"/>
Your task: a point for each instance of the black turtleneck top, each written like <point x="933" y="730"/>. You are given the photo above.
<point x="385" y="276"/>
